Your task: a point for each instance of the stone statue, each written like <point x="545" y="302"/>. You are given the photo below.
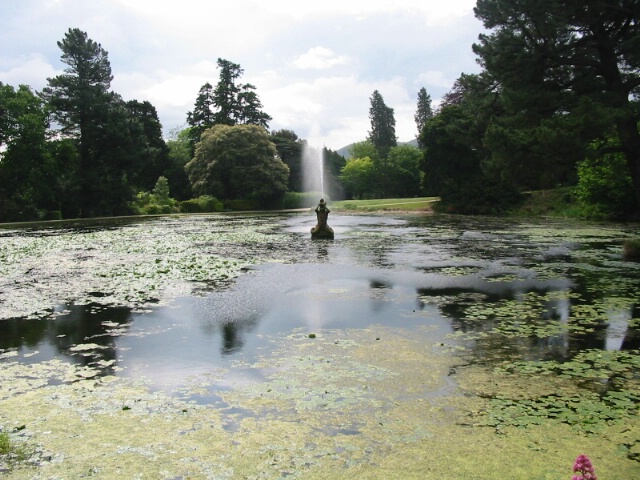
<point x="322" y="230"/>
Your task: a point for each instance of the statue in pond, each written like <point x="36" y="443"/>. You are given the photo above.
<point x="322" y="230"/>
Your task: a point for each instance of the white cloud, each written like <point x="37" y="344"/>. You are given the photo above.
<point x="319" y="58"/>
<point x="435" y="78"/>
<point x="30" y="70"/>
<point x="163" y="52"/>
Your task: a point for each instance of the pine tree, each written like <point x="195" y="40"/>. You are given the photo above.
<point x="424" y="111"/>
<point x="202" y="116"/>
<point x="383" y="125"/>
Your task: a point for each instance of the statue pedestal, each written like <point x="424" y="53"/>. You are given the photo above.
<point x="322" y="230"/>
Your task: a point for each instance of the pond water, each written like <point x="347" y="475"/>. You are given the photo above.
<point x="177" y="300"/>
<point x="379" y="270"/>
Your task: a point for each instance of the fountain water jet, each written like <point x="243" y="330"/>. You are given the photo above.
<point x="313" y="170"/>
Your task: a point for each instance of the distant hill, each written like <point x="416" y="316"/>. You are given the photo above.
<point x="344" y="151"/>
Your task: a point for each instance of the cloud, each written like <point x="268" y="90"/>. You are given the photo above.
<point x="319" y="58"/>
<point x="314" y="64"/>
<point x="32" y="70"/>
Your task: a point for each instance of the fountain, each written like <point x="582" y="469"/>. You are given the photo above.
<point x="313" y="169"/>
<point x="322" y="230"/>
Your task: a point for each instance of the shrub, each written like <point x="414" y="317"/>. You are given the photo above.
<point x="202" y="204"/>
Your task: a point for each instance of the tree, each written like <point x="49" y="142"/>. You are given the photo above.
<point x="383" y="125"/>
<point x="155" y="156"/>
<point x="179" y="155"/>
<point x="290" y="148"/>
<point x="404" y="174"/>
<point x="238" y="162"/>
<point x="560" y="59"/>
<point x="358" y="176"/>
<point x="236" y="104"/>
<point x="27" y="181"/>
<point x="226" y="94"/>
<point x="79" y="100"/>
<point x="423" y="111"/>
<point x="229" y="103"/>
<point x="202" y="117"/>
<point x="604" y="185"/>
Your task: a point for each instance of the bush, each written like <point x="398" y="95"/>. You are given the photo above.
<point x="202" y="204"/>
<point x="605" y="189"/>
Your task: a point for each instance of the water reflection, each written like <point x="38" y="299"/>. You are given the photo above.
<point x="378" y="271"/>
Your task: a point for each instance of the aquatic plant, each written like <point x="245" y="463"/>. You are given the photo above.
<point x="584" y="468"/>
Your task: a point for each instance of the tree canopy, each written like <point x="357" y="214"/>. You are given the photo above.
<point x="238" y="162"/>
<point x="383" y="125"/>
<point x="567" y="64"/>
<point x="228" y="103"/>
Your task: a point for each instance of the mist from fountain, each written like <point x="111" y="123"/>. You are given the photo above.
<point x="313" y="170"/>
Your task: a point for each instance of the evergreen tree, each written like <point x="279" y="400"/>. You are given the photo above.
<point x="79" y="100"/>
<point x="290" y="148"/>
<point x="202" y="116"/>
<point x="572" y="64"/>
<point x="424" y="111"/>
<point x="229" y="103"/>
<point x="155" y="156"/>
<point x="383" y="125"/>
<point x="226" y="94"/>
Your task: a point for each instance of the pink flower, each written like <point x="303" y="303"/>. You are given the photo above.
<point x="585" y="469"/>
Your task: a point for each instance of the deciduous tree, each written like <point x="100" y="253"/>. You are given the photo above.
<point x="238" y="162"/>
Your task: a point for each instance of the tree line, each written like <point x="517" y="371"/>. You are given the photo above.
<point x="555" y="105"/>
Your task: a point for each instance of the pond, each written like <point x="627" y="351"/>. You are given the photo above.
<point x="235" y="346"/>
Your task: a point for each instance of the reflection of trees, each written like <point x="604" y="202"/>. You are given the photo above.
<point x="231" y="338"/>
<point x="74" y="325"/>
<point x="564" y="312"/>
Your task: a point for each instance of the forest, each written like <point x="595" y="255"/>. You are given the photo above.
<point x="555" y="106"/>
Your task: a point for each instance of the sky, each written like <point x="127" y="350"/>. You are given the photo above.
<point x="315" y="64"/>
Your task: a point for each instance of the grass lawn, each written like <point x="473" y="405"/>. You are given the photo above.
<point x="391" y="204"/>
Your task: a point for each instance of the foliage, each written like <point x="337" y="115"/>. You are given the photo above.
<point x="228" y="103"/>
<point x="119" y="144"/>
<point x="240" y="205"/>
<point x="290" y="149"/>
<point x="238" y="162"/>
<point x="179" y="155"/>
<point x="154" y="158"/>
<point x="202" y="116"/>
<point x="156" y="202"/>
<point x="301" y="200"/>
<point x="403" y="176"/>
<point x="357" y="176"/>
<point x="482" y="195"/>
<point x="424" y="110"/>
<point x="27" y="163"/>
<point x="605" y="189"/>
<point x="202" y="204"/>
<point x="450" y="155"/>
<point x="566" y="63"/>
<point x="383" y="125"/>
